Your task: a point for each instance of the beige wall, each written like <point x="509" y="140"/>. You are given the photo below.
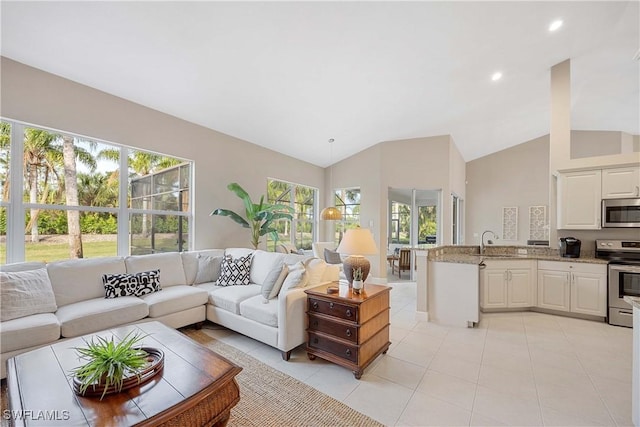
<point x="37" y="97"/>
<point x="517" y="176"/>
<point x="421" y="163"/>
<point x="594" y="143"/>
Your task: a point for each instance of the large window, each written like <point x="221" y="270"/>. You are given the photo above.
<point x="347" y="201"/>
<point x="301" y="231"/>
<point x="400" y="231"/>
<point x="83" y="198"/>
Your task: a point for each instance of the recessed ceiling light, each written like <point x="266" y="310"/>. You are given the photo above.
<point x="555" y="25"/>
<point x="496" y="76"/>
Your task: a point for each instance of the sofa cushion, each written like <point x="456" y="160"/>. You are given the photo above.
<point x="23" y="293"/>
<point x="254" y="308"/>
<point x="208" y="269"/>
<point x="23" y="266"/>
<point x="29" y="331"/>
<point x="174" y="299"/>
<point x="169" y="264"/>
<point x="238" y="252"/>
<point x="332" y="257"/>
<point x="263" y="263"/>
<point x="81" y="279"/>
<point x="99" y="313"/>
<point x="229" y="297"/>
<point x="234" y="271"/>
<point x="131" y="284"/>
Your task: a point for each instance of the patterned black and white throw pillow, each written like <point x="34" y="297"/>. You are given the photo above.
<point x="138" y="284"/>
<point x="234" y="271"/>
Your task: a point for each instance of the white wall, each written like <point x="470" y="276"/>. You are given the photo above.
<point x="40" y="98"/>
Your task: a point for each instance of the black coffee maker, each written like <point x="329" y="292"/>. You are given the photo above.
<point x="570" y="247"/>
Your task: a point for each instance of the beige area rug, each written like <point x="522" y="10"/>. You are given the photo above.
<point x="269" y="397"/>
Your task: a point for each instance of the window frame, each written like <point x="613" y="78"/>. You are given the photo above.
<point x="17" y="208"/>
<point x="291" y="189"/>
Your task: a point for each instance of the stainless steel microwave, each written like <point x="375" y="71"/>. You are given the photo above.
<point x="621" y="213"/>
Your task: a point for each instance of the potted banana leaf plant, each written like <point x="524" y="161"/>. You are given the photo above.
<point x="259" y="217"/>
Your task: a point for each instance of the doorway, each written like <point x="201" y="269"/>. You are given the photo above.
<point x="414" y="223"/>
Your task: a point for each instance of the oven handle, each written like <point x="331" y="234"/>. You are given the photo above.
<point x="626" y="268"/>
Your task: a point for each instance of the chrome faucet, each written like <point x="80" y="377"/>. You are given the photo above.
<point x="495" y="236"/>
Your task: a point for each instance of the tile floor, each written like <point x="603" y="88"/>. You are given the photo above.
<point x="513" y="369"/>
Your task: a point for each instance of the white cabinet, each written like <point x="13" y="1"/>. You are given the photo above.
<point x="507" y="284"/>
<point x="579" y="196"/>
<point x="553" y="290"/>
<point x="574" y="287"/>
<point x="620" y="183"/>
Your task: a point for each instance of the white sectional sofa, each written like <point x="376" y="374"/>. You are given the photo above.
<point x="81" y="307"/>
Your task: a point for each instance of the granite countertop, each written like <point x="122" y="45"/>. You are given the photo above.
<point x="634" y="301"/>
<point x="470" y="258"/>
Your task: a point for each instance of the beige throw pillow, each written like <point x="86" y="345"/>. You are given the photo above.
<point x="24" y="293"/>
<point x="296" y="278"/>
<point x="273" y="283"/>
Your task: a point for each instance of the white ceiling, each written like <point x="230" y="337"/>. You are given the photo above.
<point x="291" y="75"/>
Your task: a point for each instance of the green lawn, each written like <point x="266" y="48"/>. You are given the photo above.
<point x="55" y="252"/>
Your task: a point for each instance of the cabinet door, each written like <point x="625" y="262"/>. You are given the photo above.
<point x="579" y="195"/>
<point x="589" y="293"/>
<point x="519" y="288"/>
<point x="621" y="182"/>
<point x="553" y="290"/>
<point x="495" y="289"/>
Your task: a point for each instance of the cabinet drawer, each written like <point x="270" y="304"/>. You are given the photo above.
<point x="344" y="351"/>
<point x="342" y="311"/>
<point x="340" y="330"/>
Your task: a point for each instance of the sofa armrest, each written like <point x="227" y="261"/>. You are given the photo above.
<point x="292" y="318"/>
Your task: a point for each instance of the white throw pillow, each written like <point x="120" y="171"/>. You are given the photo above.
<point x="315" y="270"/>
<point x="24" y="293"/>
<point x="272" y="285"/>
<point x="208" y="269"/>
<point x="296" y="278"/>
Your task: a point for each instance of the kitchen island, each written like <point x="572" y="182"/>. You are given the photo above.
<point x="635" y="372"/>
<point x="456" y="283"/>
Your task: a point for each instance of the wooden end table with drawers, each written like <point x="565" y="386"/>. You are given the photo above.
<point x="346" y="328"/>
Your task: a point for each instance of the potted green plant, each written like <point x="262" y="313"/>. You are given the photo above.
<point x="109" y="363"/>
<point x="259" y="217"/>
<point x="357" y="280"/>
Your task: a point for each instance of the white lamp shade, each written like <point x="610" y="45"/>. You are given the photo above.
<point x="357" y="241"/>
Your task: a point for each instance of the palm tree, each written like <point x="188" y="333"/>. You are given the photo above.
<point x="42" y="151"/>
<point x="5" y="141"/>
<point x="70" y="153"/>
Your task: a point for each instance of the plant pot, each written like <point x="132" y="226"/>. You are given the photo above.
<point x="155" y="361"/>
<point x="357" y="286"/>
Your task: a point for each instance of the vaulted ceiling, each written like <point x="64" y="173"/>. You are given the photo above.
<point x="291" y="75"/>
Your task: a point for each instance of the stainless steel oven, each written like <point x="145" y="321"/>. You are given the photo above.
<point x="624" y="277"/>
<point x="621" y="213"/>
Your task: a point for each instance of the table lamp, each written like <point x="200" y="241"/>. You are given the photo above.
<point x="356" y="243"/>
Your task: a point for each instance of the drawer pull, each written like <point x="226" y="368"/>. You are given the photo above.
<point x="315" y="323"/>
<point x="348" y="332"/>
<point x="348" y="352"/>
<point x="331" y="305"/>
<point x="315" y="340"/>
<point x="348" y="313"/>
<point x="314" y="305"/>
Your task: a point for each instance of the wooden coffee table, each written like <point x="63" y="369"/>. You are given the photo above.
<point x="197" y="387"/>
